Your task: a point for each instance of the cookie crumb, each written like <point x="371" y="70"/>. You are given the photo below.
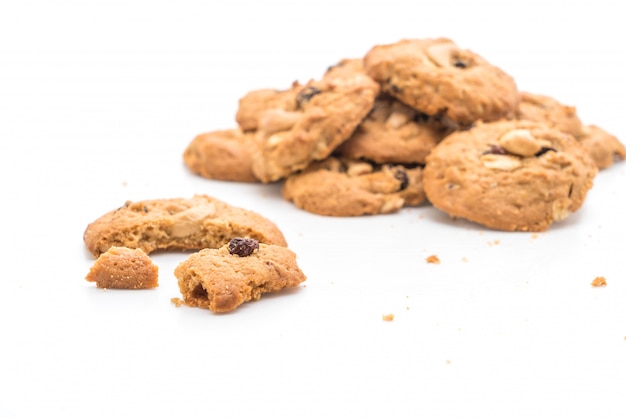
<point x="177" y="301"/>
<point x="388" y="317"/>
<point x="598" y="281"/>
<point x="433" y="259"/>
<point x="464" y="259"/>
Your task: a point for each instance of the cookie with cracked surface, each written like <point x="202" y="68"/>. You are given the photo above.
<point x="221" y="279"/>
<point x="221" y="155"/>
<point x="437" y="77"/>
<point x="605" y="149"/>
<point x="320" y="116"/>
<point x="393" y="133"/>
<point x="124" y="268"/>
<point x="343" y="187"/>
<point x="178" y="224"/>
<point x="509" y="175"/>
<point x="545" y="109"/>
<point x="255" y="102"/>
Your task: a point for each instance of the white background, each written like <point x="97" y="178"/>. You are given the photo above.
<point x="98" y="100"/>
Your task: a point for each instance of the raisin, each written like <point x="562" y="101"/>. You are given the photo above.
<point x="306" y="95"/>
<point x="400" y="174"/>
<point x="496" y="149"/>
<point x="243" y="247"/>
<point x="543" y="150"/>
<point x="460" y="64"/>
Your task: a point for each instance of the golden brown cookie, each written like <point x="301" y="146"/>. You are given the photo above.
<point x="178" y="224"/>
<point x="545" y="109"/>
<point x="254" y="103"/>
<point x="221" y="155"/>
<point x="436" y="77"/>
<point x="124" y="268"/>
<point x="317" y="118"/>
<point x="341" y="187"/>
<point x="509" y="175"/>
<point x="224" y="278"/>
<point x="604" y="148"/>
<point x="393" y="133"/>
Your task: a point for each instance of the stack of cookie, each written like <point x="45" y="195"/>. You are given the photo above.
<point x="421" y="119"/>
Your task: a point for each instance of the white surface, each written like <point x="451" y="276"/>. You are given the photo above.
<point x="98" y="99"/>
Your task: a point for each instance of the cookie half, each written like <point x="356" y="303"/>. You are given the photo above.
<point x="221" y="280"/>
<point x="341" y="187"/>
<point x="178" y="224"/>
<point x="437" y="77"/>
<point x="124" y="268"/>
<point x="512" y="176"/>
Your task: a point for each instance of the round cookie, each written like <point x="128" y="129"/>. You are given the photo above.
<point x="319" y="117"/>
<point x="540" y="108"/>
<point x="393" y="133"/>
<point x="604" y="148"/>
<point x="436" y="77"/>
<point x="342" y="187"/>
<point x="509" y="175"/>
<point x="221" y="155"/>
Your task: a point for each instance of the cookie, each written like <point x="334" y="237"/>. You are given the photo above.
<point x="393" y="133"/>
<point x="224" y="278"/>
<point x="436" y="77"/>
<point x="221" y="155"/>
<point x="254" y="103"/>
<point x="124" y="268"/>
<point x="545" y="109"/>
<point x="178" y="224"/>
<point x="318" y="117"/>
<point x="604" y="148"/>
<point x="509" y="175"/>
<point x="340" y="187"/>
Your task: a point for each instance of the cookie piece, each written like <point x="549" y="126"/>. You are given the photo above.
<point x="321" y="115"/>
<point x="221" y="155"/>
<point x="509" y="175"/>
<point x="178" y="224"/>
<point x="124" y="268"/>
<point x="393" y="133"/>
<point x="221" y="280"/>
<point x="436" y="77"/>
<point x="341" y="187"/>
<point x="604" y="148"/>
<point x="545" y="109"/>
<point x="254" y="103"/>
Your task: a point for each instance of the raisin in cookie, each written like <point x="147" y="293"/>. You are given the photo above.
<point x="318" y="117"/>
<point x="604" y="148"/>
<point x="545" y="109"/>
<point x="124" y="268"/>
<point x="221" y="155"/>
<point x="178" y="224"/>
<point x="436" y="77"/>
<point x="341" y="187"/>
<point x="509" y="175"/>
<point x="393" y="133"/>
<point x="240" y="271"/>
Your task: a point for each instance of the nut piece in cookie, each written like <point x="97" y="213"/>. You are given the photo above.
<point x="393" y="133"/>
<point x="307" y="122"/>
<point x="545" y="109"/>
<point x="178" y="224"/>
<point x="342" y="187"/>
<point x="604" y="148"/>
<point x="221" y="155"/>
<point x="509" y="175"/>
<point x="436" y="77"/>
<point x="221" y="280"/>
<point x="124" y="268"/>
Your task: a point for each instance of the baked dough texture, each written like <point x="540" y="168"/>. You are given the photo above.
<point x="178" y="224"/>
<point x="605" y="149"/>
<point x="437" y="77"/>
<point x="509" y="175"/>
<point x="343" y="187"/>
<point x="220" y="281"/>
<point x="307" y="122"/>
<point x="124" y="268"/>
<point x="221" y="155"/>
